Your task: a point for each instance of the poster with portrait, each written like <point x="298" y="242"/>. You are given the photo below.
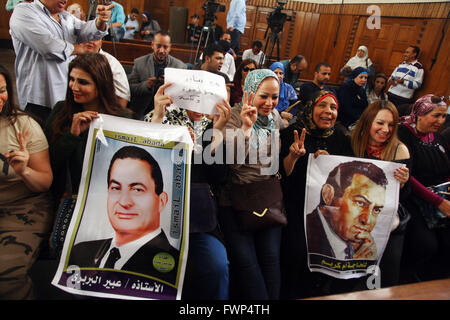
<point x="350" y="204"/>
<point x="128" y="236"/>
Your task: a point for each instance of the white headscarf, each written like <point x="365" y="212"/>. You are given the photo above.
<point x="356" y="61"/>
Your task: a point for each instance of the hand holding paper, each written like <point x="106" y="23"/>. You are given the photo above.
<point x="195" y="90"/>
<point x="161" y="102"/>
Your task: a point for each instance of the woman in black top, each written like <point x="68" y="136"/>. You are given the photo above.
<point x="375" y="137"/>
<point x="352" y="97"/>
<point x="426" y="253"/>
<point x="320" y="136"/>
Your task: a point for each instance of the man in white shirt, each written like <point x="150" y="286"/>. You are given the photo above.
<point x="121" y="85"/>
<point x="255" y="53"/>
<point x="229" y="65"/>
<point x="45" y="37"/>
<point x="131" y="24"/>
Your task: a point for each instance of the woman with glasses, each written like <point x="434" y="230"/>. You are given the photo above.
<point x="242" y="71"/>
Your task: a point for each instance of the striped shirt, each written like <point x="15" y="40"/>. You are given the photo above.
<point x="412" y="75"/>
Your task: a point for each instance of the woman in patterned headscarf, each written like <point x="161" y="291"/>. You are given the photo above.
<point x="314" y="132"/>
<point x="431" y="166"/>
<point x="254" y="255"/>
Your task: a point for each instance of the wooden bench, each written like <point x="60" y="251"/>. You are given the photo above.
<point x="126" y="52"/>
<point x="428" y="290"/>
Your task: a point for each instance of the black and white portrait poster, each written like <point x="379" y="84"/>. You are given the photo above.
<point x="350" y="204"/>
<point x="128" y="236"/>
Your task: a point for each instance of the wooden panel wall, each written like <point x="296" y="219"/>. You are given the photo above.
<point x="330" y="33"/>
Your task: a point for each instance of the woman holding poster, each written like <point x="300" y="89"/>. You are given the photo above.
<point x="88" y="94"/>
<point x="207" y="266"/>
<point x="375" y="137"/>
<point x="314" y="132"/>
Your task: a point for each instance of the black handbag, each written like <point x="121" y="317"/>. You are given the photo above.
<point x="202" y="208"/>
<point x="434" y="218"/>
<point x="259" y="205"/>
<point x="404" y="216"/>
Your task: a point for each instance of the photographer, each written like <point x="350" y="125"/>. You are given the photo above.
<point x="236" y="20"/>
<point x="148" y="73"/>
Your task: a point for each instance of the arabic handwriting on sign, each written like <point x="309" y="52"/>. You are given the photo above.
<point x="192" y="97"/>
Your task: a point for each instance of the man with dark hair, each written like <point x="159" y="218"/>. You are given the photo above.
<point x="351" y="200"/>
<point x="322" y="73"/>
<point x="131" y="24"/>
<point x="294" y="68"/>
<point x="147" y="74"/>
<point x="255" y="53"/>
<point x="136" y="199"/>
<point x="406" y="78"/>
<point x="213" y="57"/>
<point x="229" y="65"/>
<point x="194" y="29"/>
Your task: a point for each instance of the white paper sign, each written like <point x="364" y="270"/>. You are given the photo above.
<point x="195" y="90"/>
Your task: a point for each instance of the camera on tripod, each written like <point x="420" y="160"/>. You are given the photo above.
<point x="276" y="18"/>
<point x="211" y="7"/>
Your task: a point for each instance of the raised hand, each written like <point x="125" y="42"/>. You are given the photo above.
<point x="18" y="160"/>
<point x="103" y="13"/>
<point x="81" y="121"/>
<point x="249" y="114"/>
<point x="297" y="148"/>
<point x="221" y="119"/>
<point x="161" y="102"/>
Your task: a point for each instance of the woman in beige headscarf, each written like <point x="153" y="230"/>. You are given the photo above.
<point x="361" y="59"/>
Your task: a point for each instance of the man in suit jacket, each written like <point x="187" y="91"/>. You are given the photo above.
<point x="351" y="200"/>
<point x="135" y="202"/>
<point x="147" y="74"/>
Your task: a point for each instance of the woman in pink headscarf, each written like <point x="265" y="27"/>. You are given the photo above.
<point x="427" y="248"/>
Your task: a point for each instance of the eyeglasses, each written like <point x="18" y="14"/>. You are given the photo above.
<point x="247" y="69"/>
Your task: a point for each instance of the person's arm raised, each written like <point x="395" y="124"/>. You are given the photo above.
<point x="34" y="169"/>
<point x="296" y="150"/>
<point x="161" y="102"/>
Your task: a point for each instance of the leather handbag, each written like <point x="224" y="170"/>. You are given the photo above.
<point x="259" y="205"/>
<point x="203" y="208"/>
<point x="434" y="218"/>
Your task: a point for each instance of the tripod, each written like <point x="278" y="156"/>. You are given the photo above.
<point x="209" y="33"/>
<point x="272" y="41"/>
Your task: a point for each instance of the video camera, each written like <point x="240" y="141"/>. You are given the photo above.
<point x="276" y="18"/>
<point x="211" y="7"/>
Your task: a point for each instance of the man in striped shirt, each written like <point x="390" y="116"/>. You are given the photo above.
<point x="406" y="78"/>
